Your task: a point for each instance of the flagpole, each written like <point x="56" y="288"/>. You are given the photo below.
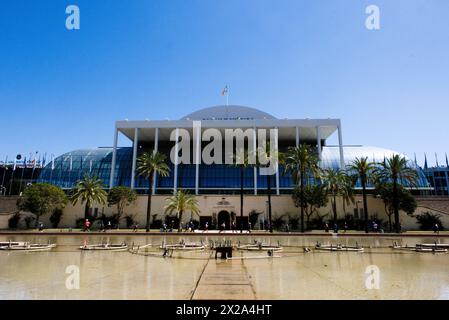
<point x="12" y="177"/>
<point x="5" y="168"/>
<point x="21" y="180"/>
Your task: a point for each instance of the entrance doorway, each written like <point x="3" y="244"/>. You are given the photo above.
<point x="223" y="216"/>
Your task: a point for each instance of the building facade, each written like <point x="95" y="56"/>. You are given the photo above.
<point x="216" y="185"/>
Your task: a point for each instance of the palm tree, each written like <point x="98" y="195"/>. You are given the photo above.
<point x="396" y="170"/>
<point x="265" y="153"/>
<point x="241" y="160"/>
<point x="300" y="162"/>
<point x="148" y="164"/>
<point x="88" y="191"/>
<point x="180" y="202"/>
<point x="337" y="183"/>
<point x="364" y="170"/>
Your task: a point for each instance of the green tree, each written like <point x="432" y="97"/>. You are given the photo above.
<point x="121" y="197"/>
<point x="315" y="197"/>
<point x="337" y="184"/>
<point x="180" y="202"/>
<point x="90" y="190"/>
<point x="407" y="202"/>
<point x="42" y="198"/>
<point x="395" y="170"/>
<point x="301" y="162"/>
<point x="148" y="164"/>
<point x="363" y="169"/>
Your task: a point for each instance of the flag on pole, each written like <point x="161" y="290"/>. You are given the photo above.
<point x="44" y="160"/>
<point x="224" y="91"/>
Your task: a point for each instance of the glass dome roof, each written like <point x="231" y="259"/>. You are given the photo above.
<point x="232" y="112"/>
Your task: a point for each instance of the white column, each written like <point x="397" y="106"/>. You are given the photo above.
<point x="318" y="142"/>
<point x="156" y="146"/>
<point x="256" y="155"/>
<point x="197" y="158"/>
<point x="135" y="144"/>
<point x="114" y="156"/>
<point x="340" y="146"/>
<point x="175" y="175"/>
<point x="297" y="136"/>
<point x="277" y="160"/>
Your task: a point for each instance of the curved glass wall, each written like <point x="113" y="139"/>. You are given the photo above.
<point x="71" y="167"/>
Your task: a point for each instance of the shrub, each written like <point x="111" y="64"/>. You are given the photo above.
<point x="79" y="223"/>
<point x="28" y="221"/>
<point x="294" y="223"/>
<point x="156" y="224"/>
<point x="13" y="222"/>
<point x="55" y="218"/>
<point x="427" y="221"/>
<point x="278" y="222"/>
<point x="253" y="217"/>
<point x="130" y="222"/>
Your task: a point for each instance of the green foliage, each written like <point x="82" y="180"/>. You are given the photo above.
<point x="13" y="222"/>
<point x="148" y="164"/>
<point x="427" y="221"/>
<point x="88" y="191"/>
<point x="29" y="220"/>
<point x="42" y="198"/>
<point x="279" y="222"/>
<point x="406" y="200"/>
<point x="180" y="202"/>
<point x="315" y="197"/>
<point x="130" y="222"/>
<point x="302" y="162"/>
<point x="55" y="217"/>
<point x="121" y="197"/>
<point x="253" y="217"/>
<point x="338" y="183"/>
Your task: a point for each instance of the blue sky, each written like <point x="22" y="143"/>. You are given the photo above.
<point x="61" y="90"/>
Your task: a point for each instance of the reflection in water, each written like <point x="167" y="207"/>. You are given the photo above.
<point x="315" y="275"/>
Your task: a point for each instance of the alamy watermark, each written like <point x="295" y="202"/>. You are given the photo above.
<point x="257" y="151"/>
<point x="72" y="281"/>
<point x="72" y="22"/>
<point x="372" y="21"/>
<point x="372" y="280"/>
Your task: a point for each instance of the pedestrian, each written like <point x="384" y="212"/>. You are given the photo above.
<point x="436" y="228"/>
<point x="41" y="226"/>
<point x="326" y="227"/>
<point x="206" y="226"/>
<point x="335" y="227"/>
<point x="345" y="227"/>
<point x="136" y="227"/>
<point x="86" y="225"/>
<point x="249" y="226"/>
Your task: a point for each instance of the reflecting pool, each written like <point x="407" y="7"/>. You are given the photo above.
<point x="291" y="274"/>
